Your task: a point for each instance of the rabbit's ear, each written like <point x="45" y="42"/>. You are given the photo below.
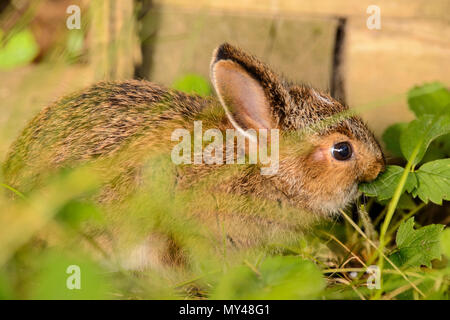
<point x="250" y="93"/>
<point x="242" y="96"/>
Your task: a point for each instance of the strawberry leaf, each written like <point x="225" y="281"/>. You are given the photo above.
<point x="417" y="247"/>
<point x="432" y="98"/>
<point x="384" y="186"/>
<point x="421" y="132"/>
<point x="433" y="181"/>
<point x="391" y="138"/>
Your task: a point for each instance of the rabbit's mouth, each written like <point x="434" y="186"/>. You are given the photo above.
<point x="341" y="200"/>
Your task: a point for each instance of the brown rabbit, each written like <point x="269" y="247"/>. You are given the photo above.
<point x="318" y="172"/>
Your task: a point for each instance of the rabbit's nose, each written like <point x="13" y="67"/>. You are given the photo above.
<point x="373" y="171"/>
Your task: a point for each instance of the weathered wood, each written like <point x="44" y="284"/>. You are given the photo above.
<point x="436" y="9"/>
<point x="113" y="45"/>
<point x="382" y="65"/>
<point x="300" y="49"/>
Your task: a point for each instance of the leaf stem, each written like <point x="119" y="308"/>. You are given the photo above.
<point x="16" y="192"/>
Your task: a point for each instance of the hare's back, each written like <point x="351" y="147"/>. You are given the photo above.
<point x="89" y="124"/>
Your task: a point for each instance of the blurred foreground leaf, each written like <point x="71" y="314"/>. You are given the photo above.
<point x="20" y="220"/>
<point x="445" y="241"/>
<point x="20" y="50"/>
<point x="56" y="280"/>
<point x="6" y="291"/>
<point x="74" y="44"/>
<point x="193" y="83"/>
<point x="75" y="212"/>
<point x="282" y="277"/>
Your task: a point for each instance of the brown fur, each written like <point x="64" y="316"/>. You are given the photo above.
<point x="120" y="125"/>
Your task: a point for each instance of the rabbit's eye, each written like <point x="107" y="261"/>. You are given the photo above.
<point x="342" y="151"/>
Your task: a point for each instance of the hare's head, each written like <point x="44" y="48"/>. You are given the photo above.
<point x="324" y="150"/>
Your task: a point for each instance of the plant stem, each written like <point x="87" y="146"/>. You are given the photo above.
<point x="17" y="192"/>
<point x="395" y="227"/>
<point x="381" y="253"/>
<point x="391" y="209"/>
<point x="406" y="217"/>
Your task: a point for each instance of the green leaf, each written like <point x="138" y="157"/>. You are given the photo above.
<point x="383" y="187"/>
<point x="433" y="181"/>
<point x="76" y="212"/>
<point x="421" y="132"/>
<point x="193" y="83"/>
<point x="417" y="247"/>
<point x="51" y="280"/>
<point x="434" y="152"/>
<point x="6" y="289"/>
<point x="282" y="277"/>
<point x="405" y="202"/>
<point x="20" y="50"/>
<point x="391" y="138"/>
<point x="445" y="242"/>
<point x="443" y="143"/>
<point x="74" y="44"/>
<point x="432" y="98"/>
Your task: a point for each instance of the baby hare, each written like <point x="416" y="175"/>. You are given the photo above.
<point x="324" y="150"/>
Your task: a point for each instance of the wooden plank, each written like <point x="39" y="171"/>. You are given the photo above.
<point x="25" y="91"/>
<point x="382" y="65"/>
<point x="436" y="9"/>
<point x="300" y="49"/>
<point x="113" y="47"/>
